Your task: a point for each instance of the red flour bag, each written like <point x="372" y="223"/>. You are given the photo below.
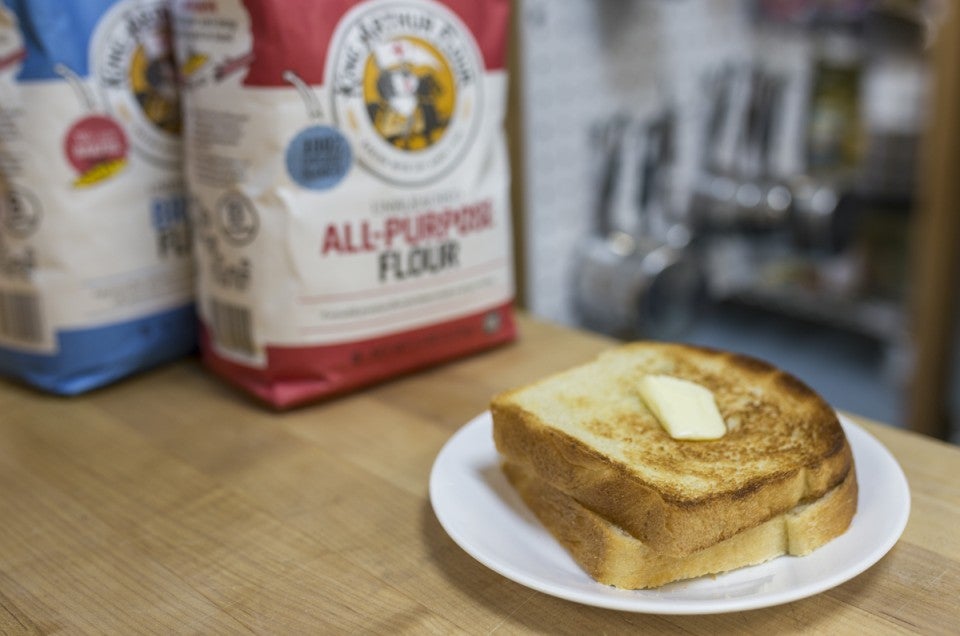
<point x="348" y="176"/>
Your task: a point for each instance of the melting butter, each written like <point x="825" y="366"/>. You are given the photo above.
<point x="685" y="409"/>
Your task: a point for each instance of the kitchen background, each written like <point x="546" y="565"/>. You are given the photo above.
<point x="747" y="175"/>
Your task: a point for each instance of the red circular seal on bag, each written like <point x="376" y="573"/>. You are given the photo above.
<point x="95" y="140"/>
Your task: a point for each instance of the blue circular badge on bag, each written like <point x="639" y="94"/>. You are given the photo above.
<point x="319" y="157"/>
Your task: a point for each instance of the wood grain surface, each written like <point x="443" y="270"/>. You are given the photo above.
<point x="170" y="503"/>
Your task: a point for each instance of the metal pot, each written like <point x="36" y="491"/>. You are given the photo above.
<point x="632" y="283"/>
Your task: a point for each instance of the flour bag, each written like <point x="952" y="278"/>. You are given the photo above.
<point x="95" y="266"/>
<point x="348" y="178"/>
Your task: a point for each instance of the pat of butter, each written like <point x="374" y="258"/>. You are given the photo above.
<point x="685" y="409"/>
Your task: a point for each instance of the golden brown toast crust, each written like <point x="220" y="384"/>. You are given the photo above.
<point x="611" y="556"/>
<point x="586" y="432"/>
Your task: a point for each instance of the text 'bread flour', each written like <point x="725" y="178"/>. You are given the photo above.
<point x="348" y="175"/>
<point x="96" y="277"/>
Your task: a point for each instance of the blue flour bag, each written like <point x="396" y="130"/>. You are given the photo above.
<point x="95" y="262"/>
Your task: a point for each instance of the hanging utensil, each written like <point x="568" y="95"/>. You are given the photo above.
<point x="633" y="284"/>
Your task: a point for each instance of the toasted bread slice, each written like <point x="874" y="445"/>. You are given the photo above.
<point x="587" y="433"/>
<point x="614" y="557"/>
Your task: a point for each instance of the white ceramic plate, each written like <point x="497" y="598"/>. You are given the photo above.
<point x="481" y="512"/>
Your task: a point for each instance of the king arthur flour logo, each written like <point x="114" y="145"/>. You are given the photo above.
<point x="405" y="80"/>
<point x="132" y="61"/>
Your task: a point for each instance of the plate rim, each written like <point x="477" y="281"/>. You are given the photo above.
<point x="861" y="441"/>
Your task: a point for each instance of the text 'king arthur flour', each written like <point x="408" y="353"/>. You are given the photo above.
<point x="349" y="185"/>
<point x="95" y="267"/>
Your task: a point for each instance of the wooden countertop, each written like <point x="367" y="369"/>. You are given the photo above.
<point x="169" y="503"/>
